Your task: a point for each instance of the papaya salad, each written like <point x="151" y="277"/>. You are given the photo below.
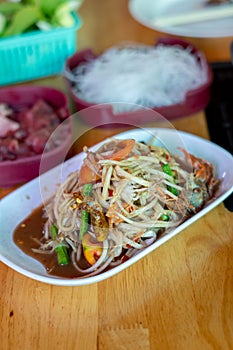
<point x="123" y="198"/>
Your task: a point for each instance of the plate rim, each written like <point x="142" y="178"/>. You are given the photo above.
<point x="173" y="30"/>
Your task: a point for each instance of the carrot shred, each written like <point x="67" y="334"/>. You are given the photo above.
<point x="125" y="146"/>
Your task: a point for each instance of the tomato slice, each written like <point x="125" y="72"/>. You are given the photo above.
<point x="87" y="175"/>
<point x="125" y="147"/>
<point x="92" y="251"/>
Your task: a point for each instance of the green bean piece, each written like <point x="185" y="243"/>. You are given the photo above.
<point x="85" y="216"/>
<point x="84" y="223"/>
<point x="62" y="252"/>
<point x="167" y="170"/>
<point x="54" y="231"/>
<point x="62" y="255"/>
<point x="87" y="190"/>
<point x="165" y="217"/>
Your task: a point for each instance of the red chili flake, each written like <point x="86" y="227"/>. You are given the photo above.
<point x="110" y="193"/>
<point x="124" y="258"/>
<point x="131" y="208"/>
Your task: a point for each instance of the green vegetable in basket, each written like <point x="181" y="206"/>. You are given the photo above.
<point x="2" y="23"/>
<point x="9" y="8"/>
<point x="22" y="20"/>
<point x="49" y="7"/>
<point x="62" y="15"/>
<point x="26" y="15"/>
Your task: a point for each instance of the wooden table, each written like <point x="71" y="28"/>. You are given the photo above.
<point x="178" y="297"/>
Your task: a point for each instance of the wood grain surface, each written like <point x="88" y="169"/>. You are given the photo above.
<point x="178" y="297"/>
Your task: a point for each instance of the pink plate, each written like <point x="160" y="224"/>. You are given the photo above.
<point x="24" y="169"/>
<point x="195" y="101"/>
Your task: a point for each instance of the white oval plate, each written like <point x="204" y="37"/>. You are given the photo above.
<point x="147" y="12"/>
<point x="15" y="207"/>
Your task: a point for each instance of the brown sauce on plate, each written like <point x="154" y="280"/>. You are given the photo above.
<point x="27" y="236"/>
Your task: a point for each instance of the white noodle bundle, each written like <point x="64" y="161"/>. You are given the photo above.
<point x="143" y="75"/>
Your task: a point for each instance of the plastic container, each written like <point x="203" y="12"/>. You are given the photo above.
<point x="196" y="99"/>
<point x="36" y="54"/>
<point x="24" y="169"/>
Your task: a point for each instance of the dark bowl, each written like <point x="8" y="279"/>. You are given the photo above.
<point x="196" y="99"/>
<point x="23" y="169"/>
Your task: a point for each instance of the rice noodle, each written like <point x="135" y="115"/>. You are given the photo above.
<point x="139" y="75"/>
